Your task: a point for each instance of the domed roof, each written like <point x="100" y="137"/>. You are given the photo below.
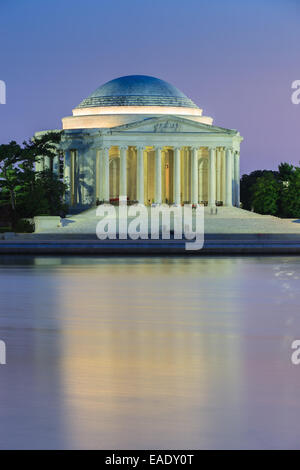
<point x="137" y="90"/>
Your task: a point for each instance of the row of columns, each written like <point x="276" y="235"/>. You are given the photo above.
<point x="231" y="176"/>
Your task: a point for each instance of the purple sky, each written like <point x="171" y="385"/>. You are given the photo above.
<point x="236" y="59"/>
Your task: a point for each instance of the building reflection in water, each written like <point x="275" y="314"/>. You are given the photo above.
<point x="147" y="360"/>
<point x="149" y="352"/>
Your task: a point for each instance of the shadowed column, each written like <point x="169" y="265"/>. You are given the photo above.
<point x="99" y="188"/>
<point x="228" y="176"/>
<point x="67" y="175"/>
<point x="140" y="175"/>
<point x="177" y="175"/>
<point x="194" y="175"/>
<point x="237" y="179"/>
<point x="212" y="177"/>
<point x="158" y="175"/>
<point x="105" y="166"/>
<point x="123" y="171"/>
<point x="218" y="165"/>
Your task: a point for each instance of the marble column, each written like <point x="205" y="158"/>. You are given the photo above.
<point x="56" y="164"/>
<point x="99" y="173"/>
<point x="223" y="159"/>
<point x="177" y="175"/>
<point x="186" y="175"/>
<point x="114" y="175"/>
<point x="200" y="180"/>
<point x="73" y="177"/>
<point x="158" y="175"/>
<point x="218" y="182"/>
<point x="164" y="158"/>
<point x="140" y="175"/>
<point x="47" y="163"/>
<point x="237" y="179"/>
<point x="67" y="176"/>
<point x="105" y="166"/>
<point x="77" y="187"/>
<point x="212" y="177"/>
<point x="123" y="171"/>
<point x="194" y="195"/>
<point x="228" y="176"/>
<point x="39" y="164"/>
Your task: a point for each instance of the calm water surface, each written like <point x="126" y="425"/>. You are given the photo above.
<point x="153" y="353"/>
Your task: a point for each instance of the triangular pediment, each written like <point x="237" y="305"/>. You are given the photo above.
<point x="170" y="124"/>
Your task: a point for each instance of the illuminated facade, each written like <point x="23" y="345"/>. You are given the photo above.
<point x="140" y="137"/>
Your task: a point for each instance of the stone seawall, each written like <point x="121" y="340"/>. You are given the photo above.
<point x="219" y="245"/>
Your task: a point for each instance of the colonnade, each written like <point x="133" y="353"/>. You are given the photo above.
<point x="212" y="173"/>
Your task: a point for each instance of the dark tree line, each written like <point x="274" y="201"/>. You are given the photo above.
<point x="273" y="192"/>
<point x="25" y="193"/>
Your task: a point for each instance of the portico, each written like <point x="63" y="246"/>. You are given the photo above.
<point x="201" y="169"/>
<point x="172" y="169"/>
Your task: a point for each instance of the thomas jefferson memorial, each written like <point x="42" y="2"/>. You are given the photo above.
<point x="140" y="137"/>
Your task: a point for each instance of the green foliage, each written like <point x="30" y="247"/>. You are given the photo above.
<point x="45" y="197"/>
<point x="246" y="188"/>
<point x="23" y="226"/>
<point x="10" y="175"/>
<point x="44" y="145"/>
<point x="290" y="196"/>
<point x="285" y="171"/>
<point x="5" y="229"/>
<point x="273" y="192"/>
<point x="24" y="191"/>
<point x="265" y="194"/>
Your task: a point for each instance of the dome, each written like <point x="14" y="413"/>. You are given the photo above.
<point x="137" y="90"/>
<point x="130" y="99"/>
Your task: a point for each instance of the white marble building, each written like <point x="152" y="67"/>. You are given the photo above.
<point x="140" y="137"/>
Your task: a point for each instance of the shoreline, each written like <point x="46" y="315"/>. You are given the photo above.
<point x="214" y="244"/>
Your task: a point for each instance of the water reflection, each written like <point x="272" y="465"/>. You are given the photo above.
<point x="149" y="352"/>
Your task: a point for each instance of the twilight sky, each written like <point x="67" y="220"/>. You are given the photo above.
<point x="235" y="59"/>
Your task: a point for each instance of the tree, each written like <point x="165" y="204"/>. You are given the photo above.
<point x="290" y="196"/>
<point x="29" y="193"/>
<point x="10" y="174"/>
<point x="285" y="172"/>
<point x="44" y="145"/>
<point x="45" y="198"/>
<point x="266" y="194"/>
<point x="247" y="186"/>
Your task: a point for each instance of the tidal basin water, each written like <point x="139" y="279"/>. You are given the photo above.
<point x="155" y="353"/>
